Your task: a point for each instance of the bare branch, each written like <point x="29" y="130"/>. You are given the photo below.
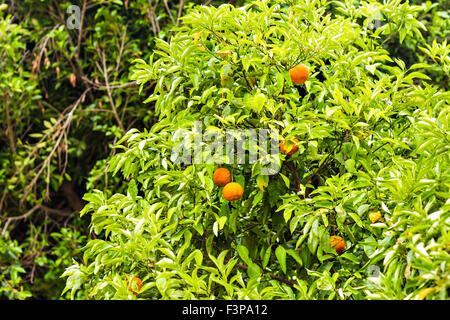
<point x="9" y="128"/>
<point x="80" y="31"/>
<point x="168" y="11"/>
<point x="47" y="161"/>
<point x="108" y="88"/>
<point x="180" y="11"/>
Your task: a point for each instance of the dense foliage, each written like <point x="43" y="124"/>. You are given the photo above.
<point x="96" y="113"/>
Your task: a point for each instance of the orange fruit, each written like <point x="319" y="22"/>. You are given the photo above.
<point x="294" y="147"/>
<point x="232" y="191"/>
<point x="374" y="215"/>
<point x="221" y="177"/>
<point x="299" y="74"/>
<point x="337" y="243"/>
<point x="138" y="283"/>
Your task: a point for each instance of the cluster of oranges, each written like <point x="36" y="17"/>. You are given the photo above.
<point x="338" y="243"/>
<point x="231" y="190"/>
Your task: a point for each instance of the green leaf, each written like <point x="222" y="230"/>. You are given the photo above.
<point x="351" y="257"/>
<point x="222" y="221"/>
<point x="133" y="189"/>
<point x="254" y="271"/>
<point x="280" y="253"/>
<point x="262" y="181"/>
<point x="355" y="218"/>
<point x="266" y="257"/>
<point x="243" y="253"/>
<point x="363" y="209"/>
<point x="285" y="179"/>
<point x="313" y="239"/>
<point x="216" y="228"/>
<point x="296" y="256"/>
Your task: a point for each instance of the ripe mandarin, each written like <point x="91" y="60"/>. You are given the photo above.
<point x="232" y="191"/>
<point x="294" y="147"/>
<point x="337" y="243"/>
<point x="299" y="74"/>
<point x="221" y="177"/>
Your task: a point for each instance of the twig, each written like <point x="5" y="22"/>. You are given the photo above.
<point x="80" y="31"/>
<point x="180" y="11"/>
<point x="76" y="67"/>
<point x="154" y="22"/>
<point x="23" y="216"/>
<point x="274" y="277"/>
<point x="119" y="57"/>
<point x="108" y="88"/>
<point x="49" y="157"/>
<point x="168" y="11"/>
<point x="58" y="212"/>
<point x="9" y="124"/>
<point x="294" y="172"/>
<point x="111" y="86"/>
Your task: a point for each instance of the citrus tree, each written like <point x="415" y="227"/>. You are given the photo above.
<point x="358" y="208"/>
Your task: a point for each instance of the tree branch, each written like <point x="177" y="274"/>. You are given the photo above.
<point x="294" y="172"/>
<point x="9" y="128"/>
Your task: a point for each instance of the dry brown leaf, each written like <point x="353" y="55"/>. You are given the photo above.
<point x="73" y="80"/>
